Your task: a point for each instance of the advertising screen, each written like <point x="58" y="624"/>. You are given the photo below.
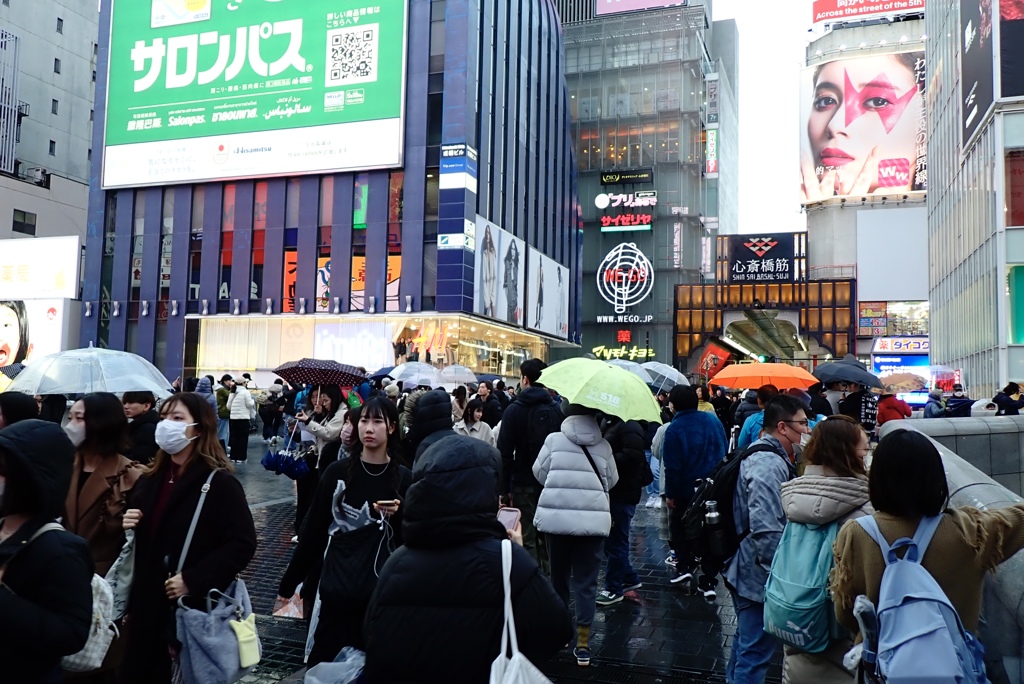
<point x="906" y="373"/>
<point x="863" y="127"/>
<point x="837" y="10"/>
<point x="202" y="90"/>
<point x="547" y="302"/>
<point x="976" y="65"/>
<point x="616" y="6"/>
<point x="500" y="273"/>
<point x="1011" y="30"/>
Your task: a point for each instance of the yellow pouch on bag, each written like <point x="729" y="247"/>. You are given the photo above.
<point x="248" y="642"/>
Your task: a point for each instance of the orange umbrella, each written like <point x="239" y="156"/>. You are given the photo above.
<point x="782" y="375"/>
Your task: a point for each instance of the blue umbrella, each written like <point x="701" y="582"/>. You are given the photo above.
<point x="489" y="377"/>
<point x="384" y="372"/>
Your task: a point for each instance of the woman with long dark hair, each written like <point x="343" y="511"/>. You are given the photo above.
<point x="101" y="480"/>
<point x="356" y="518"/>
<point x="163" y="504"/>
<point x="459" y="400"/>
<point x="908" y="490"/>
<point x="324" y="418"/>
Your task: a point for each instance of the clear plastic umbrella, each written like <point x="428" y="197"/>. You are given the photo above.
<point x="458" y="375"/>
<point x="414" y="374"/>
<point x="634" y="368"/>
<point x="80" y="371"/>
<point x="665" y="376"/>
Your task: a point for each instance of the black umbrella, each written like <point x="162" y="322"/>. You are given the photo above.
<point x="849" y="369"/>
<point x="382" y="373"/>
<point x="320" y="372"/>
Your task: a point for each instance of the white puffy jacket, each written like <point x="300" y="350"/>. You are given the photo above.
<point x="574" y="501"/>
<point x="241" y="404"/>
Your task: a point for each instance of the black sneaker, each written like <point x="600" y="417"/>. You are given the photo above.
<point x="681" y="576"/>
<point x="582" y="656"/>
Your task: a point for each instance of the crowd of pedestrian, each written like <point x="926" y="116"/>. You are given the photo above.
<point x="412" y="492"/>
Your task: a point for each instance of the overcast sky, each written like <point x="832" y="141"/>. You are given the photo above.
<point x="773" y="36"/>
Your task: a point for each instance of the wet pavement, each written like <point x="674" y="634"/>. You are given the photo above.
<point x="660" y="633"/>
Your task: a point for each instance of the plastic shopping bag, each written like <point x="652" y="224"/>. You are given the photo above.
<point x="346" y="668"/>
<point x="290" y="608"/>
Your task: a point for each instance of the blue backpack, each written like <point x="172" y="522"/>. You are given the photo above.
<point x="797" y="605"/>
<point x="920" y="636"/>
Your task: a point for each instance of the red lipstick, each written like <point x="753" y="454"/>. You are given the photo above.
<point x="833" y="157"/>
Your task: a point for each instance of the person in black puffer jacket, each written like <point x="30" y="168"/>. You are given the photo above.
<point x="431" y="422"/>
<point x="746" y="408"/>
<point x="629" y="444"/>
<point x="45" y="590"/>
<point x="140" y="409"/>
<point x="440" y="595"/>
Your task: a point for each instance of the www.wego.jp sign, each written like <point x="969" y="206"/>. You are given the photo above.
<point x="625" y="277"/>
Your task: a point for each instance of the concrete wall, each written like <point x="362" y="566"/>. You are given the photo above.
<point x="995" y="446"/>
<point x="59" y="209"/>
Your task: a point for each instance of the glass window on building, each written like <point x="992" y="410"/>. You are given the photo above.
<point x="291" y="243"/>
<point x="259" y="242"/>
<point x="396" y="194"/>
<point x="323" y="262"/>
<point x="195" y="246"/>
<point x="360" y="201"/>
<point x="227" y="242"/>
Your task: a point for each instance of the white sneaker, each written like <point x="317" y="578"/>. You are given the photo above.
<point x="657" y="502"/>
<point x="651" y="501"/>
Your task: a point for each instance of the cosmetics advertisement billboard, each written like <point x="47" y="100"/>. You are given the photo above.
<point x="863" y="128"/>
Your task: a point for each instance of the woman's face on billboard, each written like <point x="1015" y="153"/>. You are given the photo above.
<point x="10" y="336"/>
<point x="863" y="124"/>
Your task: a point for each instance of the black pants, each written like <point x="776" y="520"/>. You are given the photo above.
<point x="686" y="561"/>
<point x="338" y="627"/>
<point x="238" y="438"/>
<point x="305" y="489"/>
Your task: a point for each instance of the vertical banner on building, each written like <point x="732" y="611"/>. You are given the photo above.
<point x="547" y="304"/>
<point x="863" y="127"/>
<point x="500" y="273"/>
<point x="711" y="153"/>
<point x="976" y="66"/>
<point x="711" y="112"/>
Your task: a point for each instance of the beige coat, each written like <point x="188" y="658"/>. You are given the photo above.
<point x="478" y="430"/>
<point x="818" y="498"/>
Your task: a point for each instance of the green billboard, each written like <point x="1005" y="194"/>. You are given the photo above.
<point x="202" y="90"/>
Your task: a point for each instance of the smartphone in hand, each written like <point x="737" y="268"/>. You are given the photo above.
<point x="509" y="517"/>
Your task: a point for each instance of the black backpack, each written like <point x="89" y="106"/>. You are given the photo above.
<point x="541" y="421"/>
<point x="719" y="486"/>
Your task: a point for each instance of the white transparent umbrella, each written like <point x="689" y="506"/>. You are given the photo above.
<point x="457" y="375"/>
<point x="664" y="376"/>
<point x="80" y="371"/>
<point x="414" y="373"/>
<point x="634" y="368"/>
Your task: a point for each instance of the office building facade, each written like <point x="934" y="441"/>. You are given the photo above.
<point x="464" y="250"/>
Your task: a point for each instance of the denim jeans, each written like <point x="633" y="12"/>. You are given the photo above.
<point x="620" y="572"/>
<point x="575" y="562"/>
<point x="654" y="489"/>
<point x="752" y="647"/>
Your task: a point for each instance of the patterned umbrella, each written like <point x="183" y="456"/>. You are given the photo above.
<point x="12" y="370"/>
<point x="320" y="372"/>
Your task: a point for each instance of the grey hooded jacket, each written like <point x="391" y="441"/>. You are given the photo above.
<point x="574" y="501"/>
<point x="757" y="506"/>
<point x="819" y="497"/>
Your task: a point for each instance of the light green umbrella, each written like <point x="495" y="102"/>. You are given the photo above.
<point x="609" y="389"/>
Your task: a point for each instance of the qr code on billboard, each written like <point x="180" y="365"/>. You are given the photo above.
<point x="352" y="54"/>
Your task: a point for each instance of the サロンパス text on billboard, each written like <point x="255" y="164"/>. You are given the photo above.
<point x="863" y="127"/>
<point x="837" y="10"/>
<point x="201" y="90"/>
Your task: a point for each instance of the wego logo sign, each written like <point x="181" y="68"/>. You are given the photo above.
<point x="625" y="277"/>
<point x="760" y="246"/>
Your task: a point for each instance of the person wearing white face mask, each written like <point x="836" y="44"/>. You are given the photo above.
<point x="102" y="479"/>
<point x="162" y="506"/>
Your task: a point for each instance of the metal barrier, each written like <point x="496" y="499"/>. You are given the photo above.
<point x="1002" y="631"/>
